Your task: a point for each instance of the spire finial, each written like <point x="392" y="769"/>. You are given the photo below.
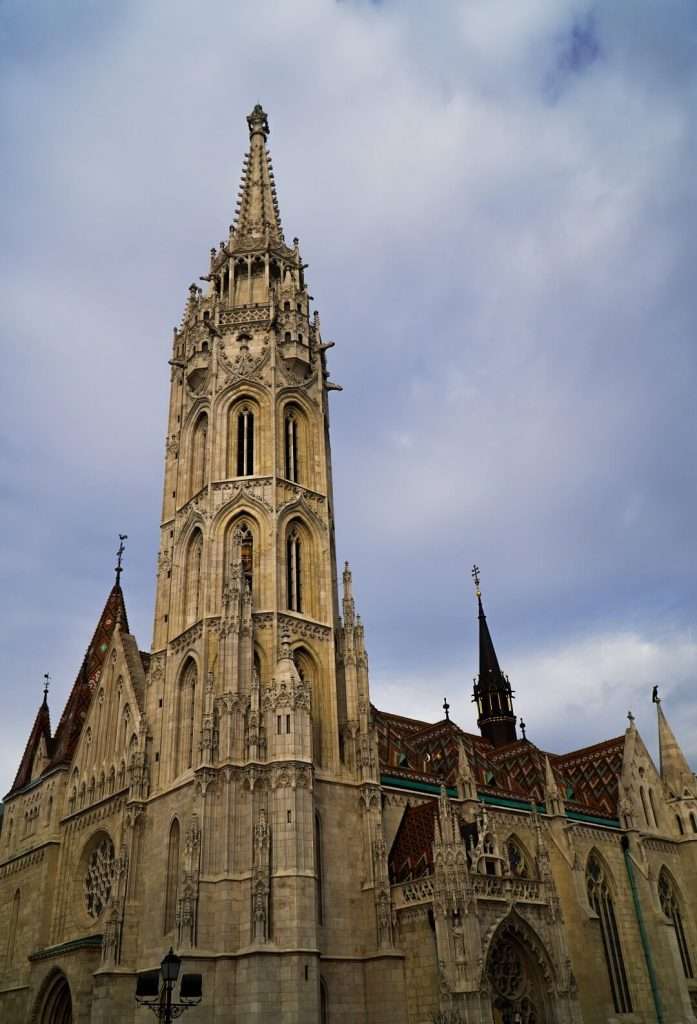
<point x="446" y="708"/>
<point x="522" y="728"/>
<point x="258" y="121"/>
<point x="475" y="577"/>
<point x="119" y="557"/>
<point x="47" y="682"/>
<point x="654" y="695"/>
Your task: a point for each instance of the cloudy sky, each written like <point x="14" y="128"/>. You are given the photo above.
<point x="497" y="203"/>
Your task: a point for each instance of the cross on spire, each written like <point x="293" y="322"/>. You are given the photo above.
<point x="475" y="577"/>
<point x="446" y="708"/>
<point x="47" y="681"/>
<point x="119" y="557"/>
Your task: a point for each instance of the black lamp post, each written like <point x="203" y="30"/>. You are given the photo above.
<point x="159" y="1000"/>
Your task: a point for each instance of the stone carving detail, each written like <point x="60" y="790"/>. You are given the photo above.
<point x="302" y="628"/>
<point x="260" y="489"/>
<point x="99" y="877"/>
<point x="244" y="365"/>
<point x="261" y="880"/>
<point x="187" y="899"/>
<point x="187" y="638"/>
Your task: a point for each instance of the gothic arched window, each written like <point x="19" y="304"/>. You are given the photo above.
<point x="99" y="876"/>
<point x="517" y="859"/>
<point x="172" y="879"/>
<point x="199" y="449"/>
<point x="600" y="899"/>
<point x="186" y="718"/>
<point x="192" y="582"/>
<point x="294" y="571"/>
<point x="670" y="905"/>
<point x="245" y="441"/>
<point x="290" y="434"/>
<point x="244" y="550"/>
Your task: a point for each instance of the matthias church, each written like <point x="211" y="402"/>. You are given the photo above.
<point x="234" y="794"/>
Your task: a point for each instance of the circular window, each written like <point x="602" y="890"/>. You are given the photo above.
<point x="99" y="877"/>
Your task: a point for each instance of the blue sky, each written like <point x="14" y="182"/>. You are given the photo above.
<point x="497" y="203"/>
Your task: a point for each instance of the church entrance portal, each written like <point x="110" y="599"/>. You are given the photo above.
<point x="517" y="993"/>
<point x="57" y="1005"/>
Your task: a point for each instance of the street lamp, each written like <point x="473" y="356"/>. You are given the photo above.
<point x="159" y="1000"/>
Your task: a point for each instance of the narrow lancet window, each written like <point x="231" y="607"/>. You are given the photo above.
<point x="291" y="436"/>
<point x="172" y="879"/>
<point x="199" y="447"/>
<point x="192" y="590"/>
<point x="245" y="442"/>
<point x="294" y="571"/>
<point x="600" y="899"/>
<point x="670" y="905"/>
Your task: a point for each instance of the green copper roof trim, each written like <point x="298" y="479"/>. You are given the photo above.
<point x="86" y="942"/>
<point x="580" y="816"/>
<point x="493" y="800"/>
<point x="420" y="787"/>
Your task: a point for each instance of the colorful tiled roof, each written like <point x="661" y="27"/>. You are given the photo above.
<point x="419" y="751"/>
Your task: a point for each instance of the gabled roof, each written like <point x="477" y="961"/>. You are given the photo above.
<point x="61" y="747"/>
<point x="70" y="725"/>
<point x="40" y="730"/>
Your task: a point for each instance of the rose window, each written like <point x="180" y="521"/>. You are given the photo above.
<point x="99" y="877"/>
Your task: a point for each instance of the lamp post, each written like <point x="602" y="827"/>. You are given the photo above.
<point x="159" y="999"/>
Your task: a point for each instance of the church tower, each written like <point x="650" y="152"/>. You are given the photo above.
<point x="247" y="570"/>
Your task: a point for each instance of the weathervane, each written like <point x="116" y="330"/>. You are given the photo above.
<point x="475" y="577"/>
<point x="119" y="557"/>
<point x="446" y="708"/>
<point x="47" y="680"/>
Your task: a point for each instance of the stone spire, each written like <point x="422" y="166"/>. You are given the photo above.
<point x="553" y="799"/>
<point x="675" y="771"/>
<point x="257" y="218"/>
<point x="492" y="689"/>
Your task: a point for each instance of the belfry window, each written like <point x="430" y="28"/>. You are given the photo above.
<point x="245" y="442"/>
<point x="600" y="899"/>
<point x="670" y="905"/>
<point x="294" y="571"/>
<point x="291" y="452"/>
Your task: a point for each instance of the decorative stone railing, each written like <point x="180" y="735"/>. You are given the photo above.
<point x="485" y="887"/>
<point x="407" y="894"/>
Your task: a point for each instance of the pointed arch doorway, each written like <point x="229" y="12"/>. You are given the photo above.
<point x="515" y="978"/>
<point x="55" y="1005"/>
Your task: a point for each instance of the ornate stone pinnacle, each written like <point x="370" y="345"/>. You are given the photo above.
<point x="258" y="122"/>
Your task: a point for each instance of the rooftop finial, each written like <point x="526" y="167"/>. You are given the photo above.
<point x="119" y="558"/>
<point x="446" y="708"/>
<point x="258" y="122"/>
<point x="475" y="577"/>
<point x="47" y="681"/>
<point x="522" y="728"/>
<point x="654" y="695"/>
